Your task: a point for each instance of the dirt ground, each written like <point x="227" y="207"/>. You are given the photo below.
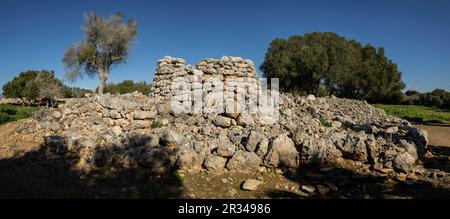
<point x="37" y="175"/>
<point x="439" y="135"/>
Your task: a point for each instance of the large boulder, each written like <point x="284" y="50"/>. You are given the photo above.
<point x="225" y="149"/>
<point x="243" y="161"/>
<point x="404" y="162"/>
<point x="215" y="163"/>
<point x="282" y="152"/>
<point x="319" y="151"/>
<point x="171" y="138"/>
<point x="252" y="141"/>
<point x="189" y="161"/>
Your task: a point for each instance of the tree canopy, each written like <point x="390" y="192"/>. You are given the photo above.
<point x="105" y="45"/>
<point x="32" y="85"/>
<point x="128" y="86"/>
<point x="328" y="63"/>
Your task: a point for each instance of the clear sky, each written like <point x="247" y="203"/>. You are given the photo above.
<point x="35" y="34"/>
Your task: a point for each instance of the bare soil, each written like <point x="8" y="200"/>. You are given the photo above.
<point x="439" y="134"/>
<point x="37" y="175"/>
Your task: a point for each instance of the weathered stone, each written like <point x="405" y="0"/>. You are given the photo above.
<point x="282" y="152"/>
<point x="252" y="141"/>
<point x="171" y="138"/>
<point x="243" y="161"/>
<point x="116" y="131"/>
<point x="222" y="121"/>
<point x="226" y="149"/>
<point x="57" y="115"/>
<point x="155" y="158"/>
<point x="145" y="114"/>
<point x="55" y="126"/>
<point x="251" y="185"/>
<point x="410" y="148"/>
<point x="311" y="97"/>
<point x="404" y="162"/>
<point x="309" y="189"/>
<point x="215" y="163"/>
<point x="263" y="147"/>
<point x="244" y="120"/>
<point x="189" y="161"/>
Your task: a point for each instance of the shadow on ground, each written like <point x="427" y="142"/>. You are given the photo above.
<point x="38" y="174"/>
<point x="440" y="159"/>
<point x="352" y="185"/>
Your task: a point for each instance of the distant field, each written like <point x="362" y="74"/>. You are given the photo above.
<point x="418" y="114"/>
<point x="9" y="113"/>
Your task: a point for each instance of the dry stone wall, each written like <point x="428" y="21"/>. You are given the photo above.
<point x="209" y="85"/>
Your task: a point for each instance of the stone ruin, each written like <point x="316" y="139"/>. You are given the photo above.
<point x="229" y="84"/>
<point x="110" y="132"/>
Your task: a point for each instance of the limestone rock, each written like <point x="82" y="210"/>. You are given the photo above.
<point x="215" y="163"/>
<point x="222" y="121"/>
<point x="251" y="185"/>
<point x="243" y="161"/>
<point x="282" y="152"/>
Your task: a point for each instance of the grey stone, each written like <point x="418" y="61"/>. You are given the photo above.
<point x="263" y="147"/>
<point x="243" y="161"/>
<point x="282" y="152"/>
<point x="171" y="138"/>
<point x="244" y="120"/>
<point x="116" y="130"/>
<point x="189" y="161"/>
<point x="225" y="149"/>
<point x="252" y="141"/>
<point x="215" y="163"/>
<point x="145" y="114"/>
<point x="57" y="115"/>
<point x="404" y="162"/>
<point x="222" y="121"/>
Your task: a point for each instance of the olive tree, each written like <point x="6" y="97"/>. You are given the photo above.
<point x="106" y="44"/>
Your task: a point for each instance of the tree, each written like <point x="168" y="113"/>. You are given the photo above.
<point x="317" y="63"/>
<point x="17" y="88"/>
<point x="49" y="88"/>
<point x="128" y="86"/>
<point x="33" y="85"/>
<point x="106" y="44"/>
<point x="75" y="92"/>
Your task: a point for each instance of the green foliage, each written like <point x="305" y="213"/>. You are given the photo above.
<point x="106" y="44"/>
<point x="157" y="124"/>
<point x="9" y="113"/>
<point x="437" y="98"/>
<point x="75" y="92"/>
<point x="325" y="122"/>
<point x="419" y="114"/>
<point x="32" y="85"/>
<point x="344" y="67"/>
<point x="128" y="86"/>
<point x="17" y="88"/>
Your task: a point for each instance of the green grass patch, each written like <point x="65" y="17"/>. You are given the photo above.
<point x="418" y="114"/>
<point x="325" y="123"/>
<point x="156" y="124"/>
<point x="10" y="113"/>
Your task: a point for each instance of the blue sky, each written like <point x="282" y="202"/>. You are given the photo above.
<point x="34" y="34"/>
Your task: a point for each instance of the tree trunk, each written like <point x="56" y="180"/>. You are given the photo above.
<point x="102" y="76"/>
<point x="101" y="86"/>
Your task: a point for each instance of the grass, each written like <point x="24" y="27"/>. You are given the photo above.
<point x="325" y="123"/>
<point x="418" y="114"/>
<point x="157" y="124"/>
<point x="10" y="113"/>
